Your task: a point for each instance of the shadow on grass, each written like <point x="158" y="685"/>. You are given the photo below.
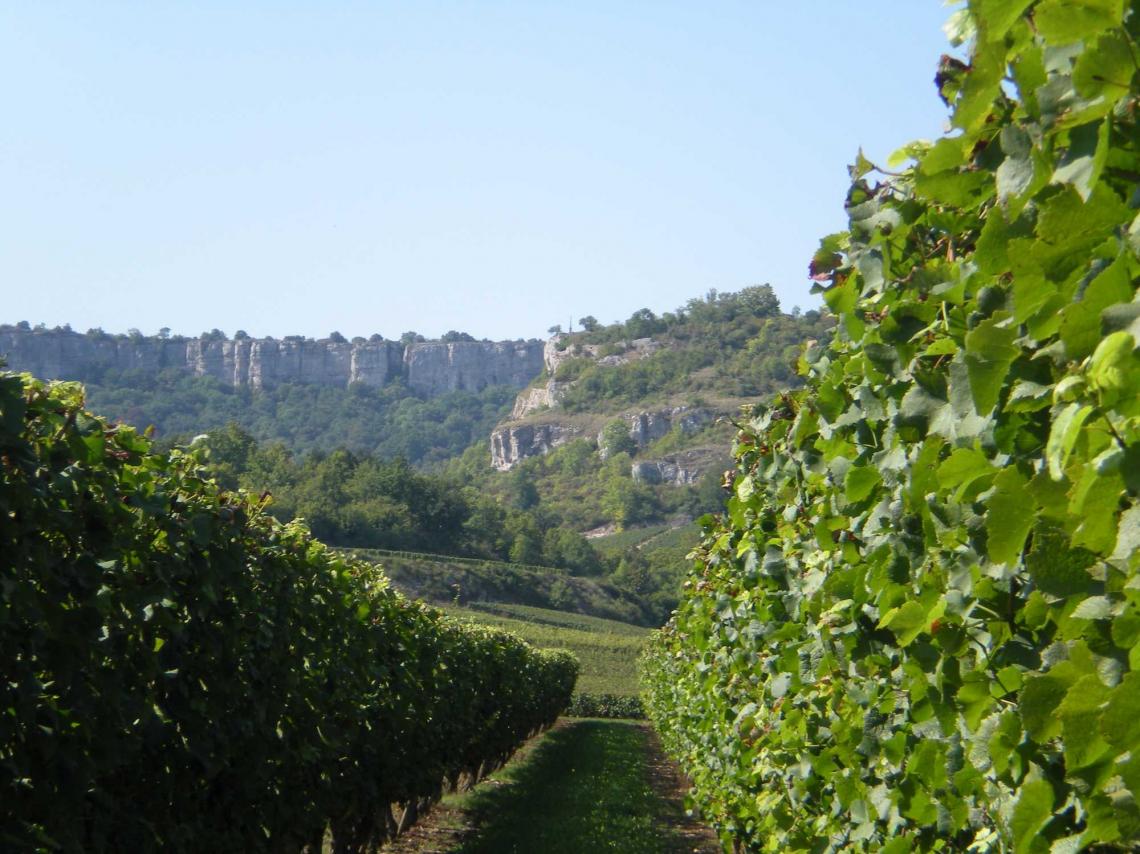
<point x="583" y="789"/>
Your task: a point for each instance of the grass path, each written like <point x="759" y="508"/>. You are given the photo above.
<point x="587" y="785"/>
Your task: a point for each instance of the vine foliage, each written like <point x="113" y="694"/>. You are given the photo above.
<point x="182" y="672"/>
<point x="916" y="626"/>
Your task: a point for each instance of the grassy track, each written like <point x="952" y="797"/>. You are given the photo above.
<point x="588" y="785"/>
<point x="607" y="650"/>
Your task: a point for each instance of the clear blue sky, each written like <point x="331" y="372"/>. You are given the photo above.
<point x="492" y="167"/>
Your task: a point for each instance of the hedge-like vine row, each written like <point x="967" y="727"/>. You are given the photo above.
<point x="178" y="671"/>
<point x="917" y="626"/>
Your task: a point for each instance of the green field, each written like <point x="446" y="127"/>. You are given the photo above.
<point x="658" y="543"/>
<point x="618" y="542"/>
<point x="607" y="649"/>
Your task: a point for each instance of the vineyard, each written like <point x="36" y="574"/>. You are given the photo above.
<point x="916" y="627"/>
<point x="182" y="672"/>
<point x="607" y="652"/>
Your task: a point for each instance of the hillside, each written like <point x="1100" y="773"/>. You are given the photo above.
<point x="425" y="401"/>
<point x="671" y="375"/>
<point x="508" y="451"/>
<point x="468" y="582"/>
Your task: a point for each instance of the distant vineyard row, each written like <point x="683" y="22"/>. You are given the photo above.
<point x="917" y="626"/>
<point x="182" y="672"/>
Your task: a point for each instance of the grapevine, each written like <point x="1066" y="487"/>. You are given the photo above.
<point x="181" y="672"/>
<point x="916" y="626"/>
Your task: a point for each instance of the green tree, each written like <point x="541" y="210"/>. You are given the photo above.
<point x="616" y="439"/>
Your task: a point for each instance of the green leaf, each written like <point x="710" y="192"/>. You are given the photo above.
<point x="1115" y="368"/>
<point x="1069" y="226"/>
<point x="860" y="482"/>
<point x="962" y="468"/>
<point x="1127" y="550"/>
<point x="947" y="154"/>
<point x="1084" y="160"/>
<point x="1039" y="699"/>
<point x="982" y="86"/>
<point x="1055" y="566"/>
<point x="927" y="764"/>
<point x="989" y="353"/>
<point x="1124" y="317"/>
<point x="1028" y="396"/>
<point x="910" y="620"/>
<point x="1015" y="174"/>
<point x="1063" y="436"/>
<point x="1105" y="69"/>
<point x="1120" y="723"/>
<point x="965" y="190"/>
<point x="1096" y="502"/>
<point x="1009" y="518"/>
<point x="1080" y="322"/>
<point x="1066" y="21"/>
<point x="1093" y="608"/>
<point x="1079" y="714"/>
<point x="995" y="17"/>
<point x="1033" y="810"/>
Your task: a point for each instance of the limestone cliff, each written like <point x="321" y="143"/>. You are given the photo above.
<point x="556" y="351"/>
<point x="681" y="468"/>
<point x="513" y="443"/>
<point x="435" y="367"/>
<point x="650" y="425"/>
<point x="430" y="368"/>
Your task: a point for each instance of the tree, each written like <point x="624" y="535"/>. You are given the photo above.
<point x="337" y="338"/>
<point x="451" y="336"/>
<point x="589" y="323"/>
<point x="411" y="338"/>
<point x="616" y="439"/>
<point x="643" y="323"/>
<point x="626" y="502"/>
<point x="759" y="300"/>
<point x="556" y="329"/>
<point x="523" y="492"/>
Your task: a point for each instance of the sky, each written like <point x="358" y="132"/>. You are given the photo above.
<point x="489" y="167"/>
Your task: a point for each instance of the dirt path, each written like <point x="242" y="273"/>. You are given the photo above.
<point x="587" y="785"/>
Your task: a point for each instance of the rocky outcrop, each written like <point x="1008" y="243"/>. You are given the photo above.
<point x="555" y="353"/>
<point x="429" y="368"/>
<point x="436" y="367"/>
<point x="679" y="469"/>
<point x="513" y="443"/>
<point x="535" y="399"/>
<point x="648" y="426"/>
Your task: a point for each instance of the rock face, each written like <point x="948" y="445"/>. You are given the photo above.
<point x="429" y="368"/>
<point x="434" y="367"/>
<point x="678" y="469"/>
<point x="649" y="426"/>
<point x="638" y="348"/>
<point x="533" y="399"/>
<point x="510" y="444"/>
